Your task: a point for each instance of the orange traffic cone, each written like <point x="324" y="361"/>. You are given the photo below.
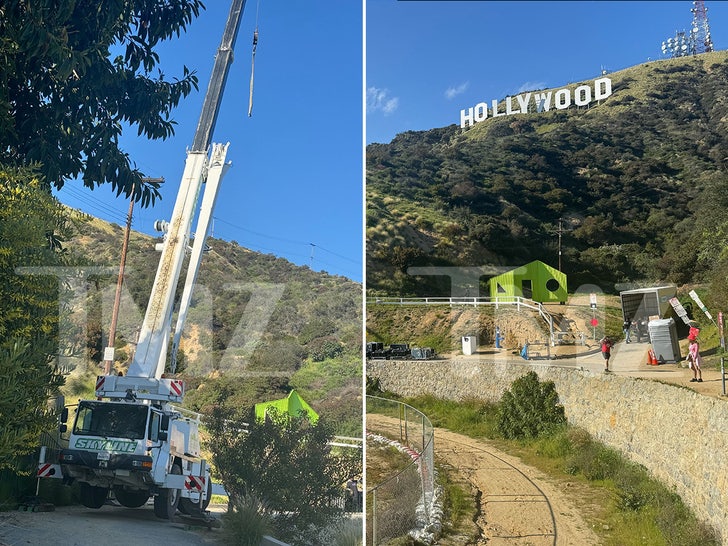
<point x="651" y="358"/>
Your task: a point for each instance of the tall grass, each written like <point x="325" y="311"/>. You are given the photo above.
<point x="346" y="532"/>
<point x="471" y="417"/>
<point x="247" y="522"/>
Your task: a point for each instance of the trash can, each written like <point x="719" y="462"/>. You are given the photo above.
<point x="470" y="345"/>
<point x="663" y="335"/>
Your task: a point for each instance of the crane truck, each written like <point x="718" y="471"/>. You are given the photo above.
<point x="134" y="439"/>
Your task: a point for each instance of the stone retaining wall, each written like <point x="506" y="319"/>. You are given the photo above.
<point x="677" y="434"/>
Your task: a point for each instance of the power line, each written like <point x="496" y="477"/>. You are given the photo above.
<point x="89" y="203"/>
<point x="300" y="255"/>
<point x="93" y="203"/>
<point x="292" y="241"/>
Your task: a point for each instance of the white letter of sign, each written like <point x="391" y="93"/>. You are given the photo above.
<point x="481" y="112"/>
<point x="543" y="101"/>
<point x="562" y="99"/>
<point x="496" y="113"/>
<point x="523" y="102"/>
<point x="602" y="88"/>
<point x="466" y="117"/>
<point x="582" y="95"/>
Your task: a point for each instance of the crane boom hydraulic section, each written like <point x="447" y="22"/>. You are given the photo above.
<point x="151" y="353"/>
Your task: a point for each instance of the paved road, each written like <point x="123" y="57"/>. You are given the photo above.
<point x="628" y="359"/>
<point x="108" y="526"/>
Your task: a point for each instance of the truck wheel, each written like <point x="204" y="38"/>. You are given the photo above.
<point x="92" y="496"/>
<point x="206" y="502"/>
<point x="166" y="501"/>
<point x="131" y="498"/>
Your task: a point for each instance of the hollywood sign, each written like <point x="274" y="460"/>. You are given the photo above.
<point x="540" y="102"/>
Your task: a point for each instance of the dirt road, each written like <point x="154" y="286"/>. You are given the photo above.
<point x="517" y="504"/>
<point x="108" y="526"/>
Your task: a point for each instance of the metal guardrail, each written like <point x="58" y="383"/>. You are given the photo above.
<point x="347" y="441"/>
<point x="475" y="302"/>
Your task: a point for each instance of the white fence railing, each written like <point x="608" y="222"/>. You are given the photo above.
<point x="497" y="302"/>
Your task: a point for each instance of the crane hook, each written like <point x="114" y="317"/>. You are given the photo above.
<point x="252" y="72"/>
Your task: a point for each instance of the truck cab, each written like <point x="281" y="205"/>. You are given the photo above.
<point x="137" y="448"/>
<point x="110" y="446"/>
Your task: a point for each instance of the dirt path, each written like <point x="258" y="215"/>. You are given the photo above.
<point x="517" y="504"/>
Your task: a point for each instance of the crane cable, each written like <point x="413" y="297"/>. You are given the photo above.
<point x="252" y="62"/>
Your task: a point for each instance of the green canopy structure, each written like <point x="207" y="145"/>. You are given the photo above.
<point x="292" y="405"/>
<point x="535" y="280"/>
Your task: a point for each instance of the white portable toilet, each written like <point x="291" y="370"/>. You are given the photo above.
<point x="470" y="345"/>
<point x="663" y="336"/>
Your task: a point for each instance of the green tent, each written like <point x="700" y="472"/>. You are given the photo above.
<point x="292" y="404"/>
<point x="535" y="280"/>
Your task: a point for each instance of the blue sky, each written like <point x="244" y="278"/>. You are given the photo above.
<point x="295" y="188"/>
<point x="425" y="61"/>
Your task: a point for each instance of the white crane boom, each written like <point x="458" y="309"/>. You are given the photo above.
<point x="151" y="351"/>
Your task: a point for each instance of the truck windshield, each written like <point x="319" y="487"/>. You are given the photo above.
<point x="111" y="420"/>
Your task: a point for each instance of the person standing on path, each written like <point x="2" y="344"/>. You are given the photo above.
<point x="606" y="351"/>
<point x="626" y="328"/>
<point x="694" y="361"/>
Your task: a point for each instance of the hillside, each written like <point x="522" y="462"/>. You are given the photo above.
<point x="442" y="326"/>
<point x="259" y="324"/>
<point x="634" y="186"/>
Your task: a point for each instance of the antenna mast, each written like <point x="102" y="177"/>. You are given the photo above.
<point x="696" y="41"/>
<point x="700" y="32"/>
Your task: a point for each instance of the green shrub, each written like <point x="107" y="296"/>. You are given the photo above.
<point x="373" y="388"/>
<point x="635" y="489"/>
<point x="680" y="526"/>
<point x="530" y="409"/>
<point x="594" y="461"/>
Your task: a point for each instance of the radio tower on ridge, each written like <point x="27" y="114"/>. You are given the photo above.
<point x="701" y="29"/>
<point x="696" y="41"/>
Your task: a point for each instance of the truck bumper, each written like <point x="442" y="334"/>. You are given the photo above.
<point x="116" y="469"/>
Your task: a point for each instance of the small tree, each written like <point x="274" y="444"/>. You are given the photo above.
<point x="27" y="382"/>
<point x="530" y="409"/>
<point x="285" y="461"/>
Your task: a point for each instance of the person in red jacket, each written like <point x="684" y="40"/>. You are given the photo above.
<point x="606" y="351"/>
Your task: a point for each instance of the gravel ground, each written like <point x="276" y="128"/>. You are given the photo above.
<point x="108" y="526"/>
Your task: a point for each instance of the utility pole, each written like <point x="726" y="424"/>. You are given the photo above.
<point x="560" y="232"/>
<point x="109" y="352"/>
